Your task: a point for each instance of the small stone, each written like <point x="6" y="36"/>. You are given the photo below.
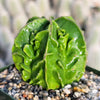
<point x="68" y="86"/>
<point x="95" y="91"/>
<point x="36" y="97"/>
<point x="77" y="94"/>
<point x="41" y="97"/>
<point x="99" y="98"/>
<point x="57" y="92"/>
<point x="24" y="95"/>
<point x="9" y="93"/>
<point x="2" y="83"/>
<point x="30" y="96"/>
<point x="23" y="83"/>
<point x="83" y="78"/>
<point x="57" y="98"/>
<point x="16" y="96"/>
<point x="41" y="92"/>
<point x="67" y="91"/>
<point x="10" y="84"/>
<point x="84" y="89"/>
<point x="86" y="76"/>
<point x="22" y="98"/>
<point x="48" y="98"/>
<point x="67" y="98"/>
<point x="17" y="90"/>
<point x="18" y="86"/>
<point x="45" y="93"/>
<point x="62" y="95"/>
<point x="74" y="84"/>
<point x="40" y="88"/>
<point x="53" y="99"/>
<point x="5" y="72"/>
<point x="89" y="83"/>
<point x="4" y="76"/>
<point x="13" y="92"/>
<point x="2" y="86"/>
<point x="10" y="88"/>
<point x="91" y="73"/>
<point x="10" y="76"/>
<point x="15" y="85"/>
<point x="30" y="87"/>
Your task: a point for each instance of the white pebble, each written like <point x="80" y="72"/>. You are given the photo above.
<point x="48" y="98"/>
<point x="67" y="91"/>
<point x="94" y="91"/>
<point x="68" y="86"/>
<point x="77" y="94"/>
<point x="36" y="98"/>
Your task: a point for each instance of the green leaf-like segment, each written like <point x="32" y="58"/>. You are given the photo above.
<point x="50" y="53"/>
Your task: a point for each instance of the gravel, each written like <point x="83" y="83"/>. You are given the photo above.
<point x="88" y="88"/>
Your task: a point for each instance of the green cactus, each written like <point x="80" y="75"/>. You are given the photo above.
<point x="50" y="53"/>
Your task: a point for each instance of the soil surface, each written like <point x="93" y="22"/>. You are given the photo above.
<point x="88" y="88"/>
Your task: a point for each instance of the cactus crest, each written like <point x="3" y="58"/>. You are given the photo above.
<point x="50" y="53"/>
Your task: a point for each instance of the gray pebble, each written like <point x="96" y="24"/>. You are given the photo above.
<point x="99" y="98"/>
<point x="13" y="92"/>
<point x="45" y="93"/>
<point x="83" y="78"/>
<point x="74" y="84"/>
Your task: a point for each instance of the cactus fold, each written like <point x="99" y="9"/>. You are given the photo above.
<point x="50" y="53"/>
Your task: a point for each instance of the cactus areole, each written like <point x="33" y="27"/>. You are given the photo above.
<point x="50" y="53"/>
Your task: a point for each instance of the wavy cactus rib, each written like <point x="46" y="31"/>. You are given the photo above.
<point x="51" y="54"/>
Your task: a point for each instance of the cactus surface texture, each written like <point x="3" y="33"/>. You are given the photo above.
<point x="50" y="53"/>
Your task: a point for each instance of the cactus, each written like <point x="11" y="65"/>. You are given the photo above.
<point x="50" y="53"/>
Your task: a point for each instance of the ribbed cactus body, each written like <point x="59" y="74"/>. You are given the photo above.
<point x="50" y="53"/>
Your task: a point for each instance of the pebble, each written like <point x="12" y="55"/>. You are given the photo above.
<point x="57" y="92"/>
<point x="10" y="76"/>
<point x="48" y="98"/>
<point x="2" y="86"/>
<point x="5" y="72"/>
<point x="67" y="91"/>
<point x="74" y="84"/>
<point x="99" y="98"/>
<point x="95" y="91"/>
<point x="16" y="95"/>
<point x="45" y="93"/>
<point x="68" y="86"/>
<point x="36" y="98"/>
<point x="30" y="96"/>
<point x="10" y="84"/>
<point x="62" y="95"/>
<point x="24" y="95"/>
<point x="13" y="92"/>
<point x="10" y="88"/>
<point x="4" y="75"/>
<point x="77" y="94"/>
<point x="88" y="88"/>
